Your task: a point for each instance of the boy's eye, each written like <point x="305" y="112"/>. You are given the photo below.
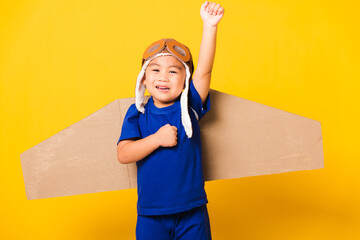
<point x="155" y="70"/>
<point x="173" y="72"/>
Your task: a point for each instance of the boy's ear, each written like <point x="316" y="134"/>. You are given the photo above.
<point x="143" y="80"/>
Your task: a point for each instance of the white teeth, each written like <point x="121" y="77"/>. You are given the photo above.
<point x="163" y="88"/>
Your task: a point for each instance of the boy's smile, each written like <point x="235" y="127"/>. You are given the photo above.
<point x="164" y="79"/>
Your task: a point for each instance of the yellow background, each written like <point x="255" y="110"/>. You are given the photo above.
<point x="62" y="60"/>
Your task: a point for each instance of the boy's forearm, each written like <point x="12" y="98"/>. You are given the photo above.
<point x="202" y="74"/>
<point x="207" y="50"/>
<point x="135" y="150"/>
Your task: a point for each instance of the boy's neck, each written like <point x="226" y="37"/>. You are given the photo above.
<point x="160" y="104"/>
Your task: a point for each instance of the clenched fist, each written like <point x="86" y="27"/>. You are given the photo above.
<point x="211" y="13"/>
<point x="166" y="136"/>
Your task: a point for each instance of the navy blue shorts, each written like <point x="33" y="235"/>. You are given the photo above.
<point x="192" y="224"/>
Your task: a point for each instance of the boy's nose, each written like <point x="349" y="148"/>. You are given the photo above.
<point x="163" y="77"/>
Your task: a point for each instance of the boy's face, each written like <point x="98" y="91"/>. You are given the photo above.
<point x="164" y="79"/>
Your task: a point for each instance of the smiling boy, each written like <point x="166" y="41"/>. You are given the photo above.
<point x="163" y="136"/>
<point x="164" y="80"/>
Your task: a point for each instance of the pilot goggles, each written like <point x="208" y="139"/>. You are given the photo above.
<point x="173" y="46"/>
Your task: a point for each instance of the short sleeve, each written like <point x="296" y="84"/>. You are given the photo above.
<point x="130" y="127"/>
<point x="195" y="102"/>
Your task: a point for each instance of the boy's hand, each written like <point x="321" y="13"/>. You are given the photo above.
<point x="166" y="136"/>
<point x="211" y="13"/>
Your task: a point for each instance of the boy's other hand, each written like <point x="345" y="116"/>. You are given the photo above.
<point x="211" y="13"/>
<point x="166" y="136"/>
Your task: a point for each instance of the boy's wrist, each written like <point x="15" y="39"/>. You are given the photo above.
<point x="154" y="140"/>
<point x="209" y="26"/>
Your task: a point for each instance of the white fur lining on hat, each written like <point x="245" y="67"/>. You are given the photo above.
<point x="140" y="91"/>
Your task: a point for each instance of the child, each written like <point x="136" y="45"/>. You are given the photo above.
<point x="163" y="136"/>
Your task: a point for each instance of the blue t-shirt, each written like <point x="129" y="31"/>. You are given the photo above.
<point x="170" y="179"/>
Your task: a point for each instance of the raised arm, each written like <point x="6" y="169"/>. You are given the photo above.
<point x="211" y="14"/>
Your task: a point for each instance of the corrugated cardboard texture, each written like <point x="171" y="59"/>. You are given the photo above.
<point x="240" y="138"/>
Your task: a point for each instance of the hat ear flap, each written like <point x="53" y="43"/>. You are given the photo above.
<point x="140" y="89"/>
<point x="185" y="117"/>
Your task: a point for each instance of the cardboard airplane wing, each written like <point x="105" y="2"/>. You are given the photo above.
<point x="239" y="138"/>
